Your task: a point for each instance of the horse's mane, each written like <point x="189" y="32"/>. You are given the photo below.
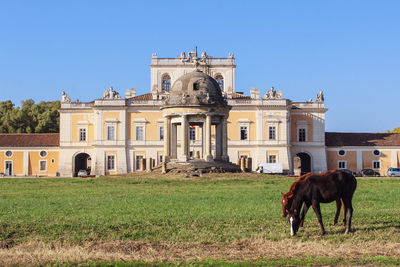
<point x="301" y="180"/>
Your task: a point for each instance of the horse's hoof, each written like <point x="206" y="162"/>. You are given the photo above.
<point x="334" y="222"/>
<point x="323" y="233"/>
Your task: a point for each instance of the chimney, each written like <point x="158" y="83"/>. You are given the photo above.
<point x="252" y="93"/>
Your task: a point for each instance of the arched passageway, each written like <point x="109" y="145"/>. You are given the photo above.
<point x="82" y="162"/>
<point x="304" y="163"/>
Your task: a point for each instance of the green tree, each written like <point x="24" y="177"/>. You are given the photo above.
<point x="30" y="118"/>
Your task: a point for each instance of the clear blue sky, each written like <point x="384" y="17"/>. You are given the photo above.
<point x="349" y="49"/>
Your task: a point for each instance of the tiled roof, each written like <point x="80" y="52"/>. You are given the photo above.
<point x="30" y="140"/>
<point x="362" y="139"/>
<point x="238" y="96"/>
<point x="142" y="97"/>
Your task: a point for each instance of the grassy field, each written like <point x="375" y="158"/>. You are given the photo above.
<point x="212" y="220"/>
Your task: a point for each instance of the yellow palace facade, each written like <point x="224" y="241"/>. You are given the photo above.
<point x="192" y="112"/>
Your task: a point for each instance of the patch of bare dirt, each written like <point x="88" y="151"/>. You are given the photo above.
<point x="34" y="253"/>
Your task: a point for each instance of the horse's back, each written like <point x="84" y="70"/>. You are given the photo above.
<point x="333" y="184"/>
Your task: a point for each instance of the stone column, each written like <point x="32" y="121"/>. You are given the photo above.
<point x="184" y="139"/>
<point x="225" y="156"/>
<point x="208" y="155"/>
<point x="167" y="139"/>
<point x="218" y="141"/>
<point x="174" y="141"/>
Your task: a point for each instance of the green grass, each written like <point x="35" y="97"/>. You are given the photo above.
<point x="181" y="210"/>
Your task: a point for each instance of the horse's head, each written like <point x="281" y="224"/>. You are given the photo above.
<point x="294" y="219"/>
<point x="286" y="203"/>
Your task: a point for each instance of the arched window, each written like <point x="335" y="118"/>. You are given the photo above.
<point x="166" y="83"/>
<point x="220" y="81"/>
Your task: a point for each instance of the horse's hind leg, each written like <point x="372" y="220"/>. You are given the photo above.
<point x="317" y="210"/>
<point x="349" y="213"/>
<point x="338" y="206"/>
<point x="344" y="213"/>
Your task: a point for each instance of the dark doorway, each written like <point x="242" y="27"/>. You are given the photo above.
<point x="8" y="167"/>
<point x="82" y="162"/>
<point x="305" y="162"/>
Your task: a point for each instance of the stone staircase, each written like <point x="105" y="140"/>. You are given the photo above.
<point x="201" y="166"/>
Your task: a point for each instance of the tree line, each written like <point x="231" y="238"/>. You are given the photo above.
<point x="42" y="117"/>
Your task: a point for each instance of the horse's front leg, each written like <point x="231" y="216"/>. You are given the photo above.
<point x="317" y="210"/>
<point x="338" y="205"/>
<point x="303" y="213"/>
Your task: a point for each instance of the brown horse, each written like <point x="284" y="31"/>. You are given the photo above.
<point x="315" y="189"/>
<point x="288" y="198"/>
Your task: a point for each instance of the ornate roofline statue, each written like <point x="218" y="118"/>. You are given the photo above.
<point x="320" y="97"/>
<point x="65" y="98"/>
<point x="111" y="94"/>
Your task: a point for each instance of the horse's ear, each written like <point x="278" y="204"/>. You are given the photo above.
<point x="282" y="194"/>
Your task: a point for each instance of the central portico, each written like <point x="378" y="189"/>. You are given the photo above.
<point x="195" y="99"/>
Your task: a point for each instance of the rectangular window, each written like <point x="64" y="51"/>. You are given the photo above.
<point x="243" y="132"/>
<point x="271" y="158"/>
<point x="139" y="133"/>
<point x="302" y="135"/>
<point x="376" y="164"/>
<point x="161" y="132"/>
<point x="82" y="134"/>
<point x="110" y="132"/>
<point x="342" y="164"/>
<point x="272" y="133"/>
<point x="8" y="167"/>
<point x="192" y="133"/>
<point x="110" y="162"/>
<point x="138" y="162"/>
<point x="160" y="159"/>
<point x="42" y="165"/>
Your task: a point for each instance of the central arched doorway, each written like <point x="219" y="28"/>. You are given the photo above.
<point x="82" y="162"/>
<point x="303" y="163"/>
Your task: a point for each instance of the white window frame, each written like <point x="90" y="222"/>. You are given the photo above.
<point x="345" y="152"/>
<point x="305" y="134"/>
<point x="137" y="127"/>
<point x="114" y="161"/>
<point x="169" y="84"/>
<point x="302" y="124"/>
<point x="275" y="132"/>
<point x="159" y="132"/>
<point x="140" y="122"/>
<point x="376" y="161"/>
<point x="136" y="165"/>
<point x="108" y="125"/>
<point x="274" y="155"/>
<point x="343" y="162"/>
<point x="244" y="123"/>
<point x="79" y="134"/>
<point x="5" y="154"/>
<point x="40" y="162"/>
<point x="12" y="166"/>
